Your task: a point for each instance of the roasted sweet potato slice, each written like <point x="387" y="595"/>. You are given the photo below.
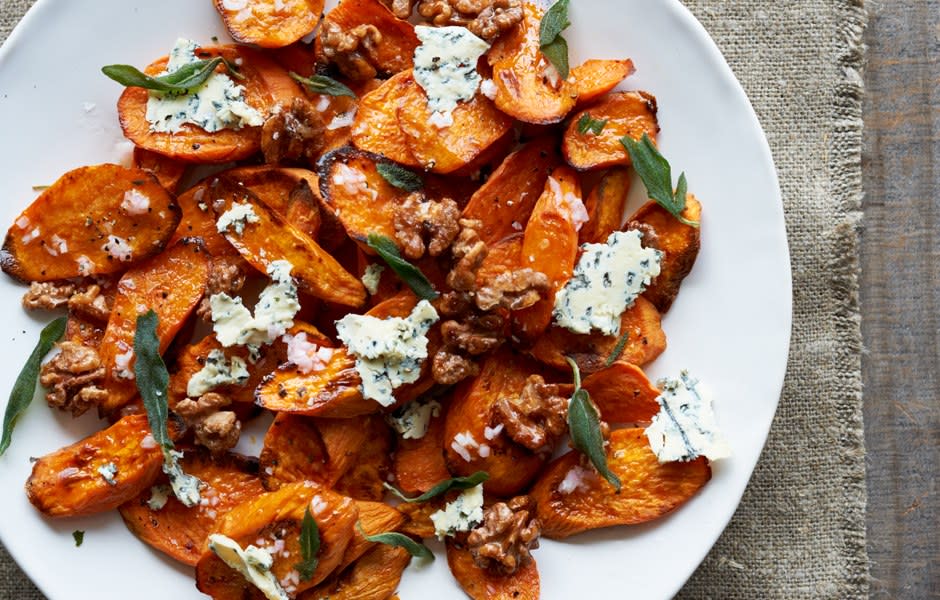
<point x="395" y="52"/>
<point x="92" y="221"/>
<point x="170" y="284"/>
<point x="605" y="205"/>
<point x="503" y="204"/>
<point x="679" y="241"/>
<point x="627" y="114"/>
<point x="510" y="466"/>
<point x="622" y="393"/>
<point x="528" y="87"/>
<point x="199" y="221"/>
<point x="550" y="245"/>
<point x="504" y="255"/>
<point x="272" y="238"/>
<point x="641" y="322"/>
<point x="293" y="451"/>
<point x="478" y="130"/>
<point x="77" y="480"/>
<point x="650" y="489"/>
<point x="167" y="171"/>
<point x="374" y="517"/>
<point x="419" y="464"/>
<point x="289" y="191"/>
<point x="376" y="127"/>
<point x="269" y="23"/>
<point x="375" y="576"/>
<point x="339" y="113"/>
<point x="480" y="584"/>
<point x="266" y="85"/>
<point x="181" y="532"/>
<point x="365" y="476"/>
<point x="418" y="521"/>
<point x="594" y="78"/>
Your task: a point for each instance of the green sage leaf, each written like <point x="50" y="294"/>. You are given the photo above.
<point x="457" y="483"/>
<point x="618" y="349"/>
<point x="654" y="170"/>
<point x="553" y="45"/>
<point x="79" y="536"/>
<point x="588" y="123"/>
<point x="180" y="82"/>
<point x="152" y="378"/>
<point x="309" y="546"/>
<point x="321" y="84"/>
<point x="398" y="540"/>
<point x="584" y="426"/>
<point x="399" y="176"/>
<point x="406" y="271"/>
<point x="557" y="54"/>
<point x="25" y="385"/>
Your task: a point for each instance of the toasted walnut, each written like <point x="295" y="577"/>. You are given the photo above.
<point x="475" y="335"/>
<point x="536" y="417"/>
<point x="217" y="430"/>
<point x="400" y="8"/>
<point x="418" y="219"/>
<point x="353" y="51"/>
<point x="468" y="251"/>
<point x="72" y="378"/>
<point x="502" y="543"/>
<point x="48" y="295"/>
<point x="449" y="368"/>
<point x="453" y="304"/>
<point x="226" y="275"/>
<point x="486" y="19"/>
<point x="292" y="133"/>
<point x="91" y="303"/>
<point x="513" y="290"/>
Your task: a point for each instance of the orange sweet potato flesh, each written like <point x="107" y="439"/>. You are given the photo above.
<point x="365" y="476"/>
<point x="605" y="205"/>
<point x="622" y="393"/>
<point x="167" y="171"/>
<point x="181" y="532"/>
<point x="271" y="23"/>
<point x="480" y="584"/>
<point x="510" y="466"/>
<point x="376" y="128"/>
<point x="504" y="255"/>
<point x="374" y="517"/>
<point x="646" y="340"/>
<point x="478" y="128"/>
<point x="524" y="89"/>
<point x="289" y="191"/>
<point x="69" y="230"/>
<point x="375" y="576"/>
<point x="170" y="284"/>
<point x="395" y="53"/>
<point x="266" y="85"/>
<point x="419" y="464"/>
<point x="649" y="489"/>
<point x="273" y="238"/>
<point x="596" y="77"/>
<point x="66" y="483"/>
<point x="550" y="246"/>
<point x="510" y="193"/>
<point x="280" y="513"/>
<point x="627" y="113"/>
<point x="199" y="221"/>
<point x="293" y="451"/>
<point x="679" y="241"/>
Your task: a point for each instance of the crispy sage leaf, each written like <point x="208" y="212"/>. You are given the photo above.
<point x="553" y="45"/>
<point x="398" y="540"/>
<point x="656" y="174"/>
<point x="408" y="273"/>
<point x="457" y="483"/>
<point x="321" y="84"/>
<point x="399" y="176"/>
<point x="309" y="546"/>
<point x="588" y="123"/>
<point x="584" y="426"/>
<point x="618" y="349"/>
<point x="178" y="83"/>
<point x="152" y="378"/>
<point x="79" y="536"/>
<point x="25" y="385"/>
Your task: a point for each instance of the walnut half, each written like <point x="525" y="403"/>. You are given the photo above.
<point x="72" y="378"/>
<point x="535" y="418"/>
<point x="217" y="430"/>
<point x="486" y="19"/>
<point x="509" y="532"/>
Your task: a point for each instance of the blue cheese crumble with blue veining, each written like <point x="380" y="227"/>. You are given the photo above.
<point x="445" y="66"/>
<point x="463" y="514"/>
<point x="108" y="471"/>
<point x="606" y="281"/>
<point x="274" y="314"/>
<point x="413" y="419"/>
<point x="217" y="104"/>
<point x="253" y="563"/>
<point x="685" y="426"/>
<point x="218" y="370"/>
<point x="185" y="487"/>
<point x="388" y="352"/>
<point x="236" y="218"/>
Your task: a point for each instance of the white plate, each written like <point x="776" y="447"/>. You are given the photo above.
<point x="730" y="325"/>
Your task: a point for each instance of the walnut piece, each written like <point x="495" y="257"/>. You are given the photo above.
<point x="419" y="218"/>
<point x="486" y="19"/>
<point x="535" y="418"/>
<point x="91" y="303"/>
<point x="72" y="378"/>
<point x="292" y="133"/>
<point x="475" y="335"/>
<point x="449" y="368"/>
<point x="503" y="542"/>
<point x="217" y="430"/>
<point x="513" y="290"/>
<point x="468" y="251"/>
<point x="353" y="51"/>
<point x="83" y="298"/>
<point x="400" y="8"/>
<point x="226" y="275"/>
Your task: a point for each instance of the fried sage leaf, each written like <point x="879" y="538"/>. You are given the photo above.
<point x="584" y="426"/>
<point x="457" y="483"/>
<point x="406" y="271"/>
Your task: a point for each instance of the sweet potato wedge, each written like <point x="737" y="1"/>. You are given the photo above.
<point x="375" y="576"/>
<point x="92" y="221"/>
<point x="198" y="220"/>
<point x="478" y="131"/>
<point x="374" y="517"/>
<point x="646" y="340"/>
<point x="528" y="87"/>
<point x="272" y="238"/>
<point x="181" y="532"/>
<point x="419" y="464"/>
<point x="480" y="584"/>
<point x="550" y="246"/>
<point x="276" y="516"/>
<point x="395" y="53"/>
<point x="363" y="479"/>
<point x="418" y="521"/>
<point x="605" y="205"/>
<point x="503" y="204"/>
<point x="293" y="451"/>
<point x="650" y="489"/>
<point x="376" y="129"/>
<point x="594" y="78"/>
<point x="167" y="171"/>
<point x="69" y="482"/>
<point x="266" y="85"/>
<point x="510" y="466"/>
<point x="622" y="393"/>
<point x="627" y="114"/>
<point x="679" y="241"/>
<point x="269" y="23"/>
<point x="171" y="284"/>
<point x="289" y="191"/>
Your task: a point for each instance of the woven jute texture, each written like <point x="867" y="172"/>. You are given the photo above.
<point x="800" y="530"/>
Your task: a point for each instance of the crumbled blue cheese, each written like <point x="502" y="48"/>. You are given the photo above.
<point x="274" y="313"/>
<point x="218" y="370"/>
<point x="217" y="104"/>
<point x="413" y="419"/>
<point x="388" y="352"/>
<point x="253" y="563"/>
<point x="236" y="218"/>
<point x="445" y="66"/>
<point x="463" y="514"/>
<point x="185" y="487"/>
<point x="372" y="277"/>
<point x="606" y="281"/>
<point x="159" y="495"/>
<point x="107" y="472"/>
<point x="685" y="427"/>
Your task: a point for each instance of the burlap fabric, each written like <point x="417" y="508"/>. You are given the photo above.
<point x="800" y="530"/>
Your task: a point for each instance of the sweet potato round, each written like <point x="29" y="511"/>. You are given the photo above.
<point x="271" y="23"/>
<point x="627" y="114"/>
<point x="480" y="584"/>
